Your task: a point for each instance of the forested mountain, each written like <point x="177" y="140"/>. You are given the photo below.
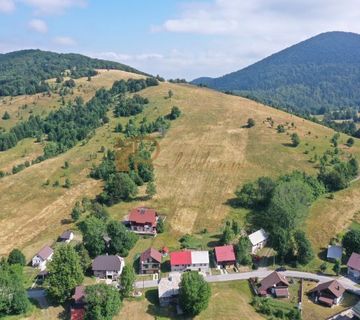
<point x="24" y="72"/>
<point x="317" y="74"/>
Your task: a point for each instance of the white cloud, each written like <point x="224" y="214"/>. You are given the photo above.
<point x="7" y="6"/>
<point x="38" y="25"/>
<point x="48" y="7"/>
<point x="64" y="41"/>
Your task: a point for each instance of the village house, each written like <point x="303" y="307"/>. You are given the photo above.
<point x="67" y="236"/>
<point x="108" y="267"/>
<point x="274" y="284"/>
<point x="77" y="311"/>
<point x="225" y="256"/>
<point x="334" y="253"/>
<point x="42" y="257"/>
<point x="353" y="265"/>
<point x="143" y="221"/>
<point x="168" y="289"/>
<point x="328" y="293"/>
<point x="150" y="261"/>
<point x="258" y="240"/>
<point x="189" y="260"/>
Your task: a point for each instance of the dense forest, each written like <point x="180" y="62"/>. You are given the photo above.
<point x="25" y="72"/>
<point x="317" y="74"/>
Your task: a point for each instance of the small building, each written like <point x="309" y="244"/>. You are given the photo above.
<point x="168" y="289"/>
<point x="356" y="310"/>
<point x="225" y="256"/>
<point x="353" y="265"/>
<point x="190" y="260"/>
<point x="108" y="267"/>
<point x="329" y="293"/>
<point x="258" y="240"/>
<point x="67" y="236"/>
<point x="78" y="305"/>
<point x="334" y="252"/>
<point x="143" y="221"/>
<point x="42" y="257"/>
<point x="165" y="251"/>
<point x="274" y="284"/>
<point x="79" y="296"/>
<point x="150" y="261"/>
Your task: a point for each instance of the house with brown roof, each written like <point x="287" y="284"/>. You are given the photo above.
<point x="42" y="257"/>
<point x="225" y="256"/>
<point x="108" y="267"/>
<point x="77" y="311"/>
<point x="274" y="284"/>
<point x="67" y="236"/>
<point x="329" y="293"/>
<point x="150" y="261"/>
<point x="353" y="265"/>
<point x="143" y="220"/>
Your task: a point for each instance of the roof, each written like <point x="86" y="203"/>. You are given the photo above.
<point x="258" y="237"/>
<point x="333" y="286"/>
<point x="107" y="263"/>
<point x="225" y="253"/>
<point x="356" y="308"/>
<point x="45" y="253"/>
<point x="66" y="235"/>
<point x="77" y="313"/>
<point x="272" y="279"/>
<point x="180" y="257"/>
<point x="151" y="253"/>
<point x="165" y="249"/>
<point x="143" y="215"/>
<point x="169" y="286"/>
<point x="198" y="257"/>
<point x="334" y="252"/>
<point x="354" y="261"/>
<point x="79" y="294"/>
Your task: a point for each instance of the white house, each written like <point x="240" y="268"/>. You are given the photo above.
<point x="354" y="265"/>
<point x="42" y="257"/>
<point x="189" y="260"/>
<point x="67" y="236"/>
<point x="258" y="240"/>
<point x="168" y="288"/>
<point x="108" y="267"/>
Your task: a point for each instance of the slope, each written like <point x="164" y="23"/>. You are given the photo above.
<point x="321" y="72"/>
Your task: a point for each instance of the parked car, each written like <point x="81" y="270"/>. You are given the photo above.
<point x="282" y="268"/>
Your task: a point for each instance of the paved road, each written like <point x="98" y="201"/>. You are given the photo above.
<point x="262" y="273"/>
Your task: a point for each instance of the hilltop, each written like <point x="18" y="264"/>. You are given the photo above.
<point x="320" y="73"/>
<point x="24" y="72"/>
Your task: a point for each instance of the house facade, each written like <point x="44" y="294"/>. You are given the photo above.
<point x="42" y="258"/>
<point x="225" y="256"/>
<point x="143" y="221"/>
<point x="258" y="240"/>
<point x="274" y="284"/>
<point x="168" y="289"/>
<point x="189" y="260"/>
<point x="353" y="265"/>
<point x="329" y="293"/>
<point x="108" y="267"/>
<point x="150" y="261"/>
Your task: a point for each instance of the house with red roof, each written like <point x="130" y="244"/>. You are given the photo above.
<point x="189" y="260"/>
<point x="329" y="293"/>
<point x="274" y="284"/>
<point x="143" y="220"/>
<point x="150" y="261"/>
<point x="225" y="256"/>
<point x="353" y="265"/>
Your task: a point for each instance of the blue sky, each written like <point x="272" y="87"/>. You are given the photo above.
<point x="175" y="38"/>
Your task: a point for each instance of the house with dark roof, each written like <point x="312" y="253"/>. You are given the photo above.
<point x="189" y="260"/>
<point x="108" y="267"/>
<point x="334" y="252"/>
<point x="353" y="265"/>
<point x="225" y="256"/>
<point x="274" y="284"/>
<point x="42" y="257"/>
<point x="143" y="220"/>
<point x="77" y="311"/>
<point x="329" y="293"/>
<point x="67" y="236"/>
<point x="150" y="261"/>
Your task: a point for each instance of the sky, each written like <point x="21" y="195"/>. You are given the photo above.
<point x="173" y="38"/>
